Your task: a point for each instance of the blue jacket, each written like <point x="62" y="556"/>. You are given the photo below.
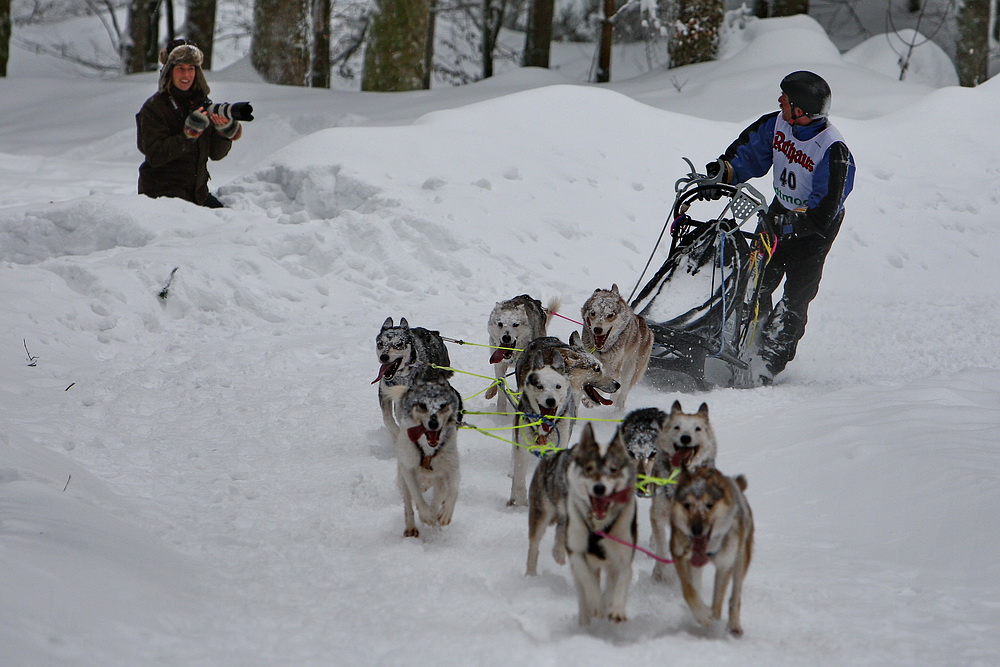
<point x="751" y="156"/>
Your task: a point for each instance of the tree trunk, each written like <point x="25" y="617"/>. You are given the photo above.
<point x="761" y="9"/>
<point x="538" y="35"/>
<point x="789" y="7"/>
<point x="973" y="49"/>
<point x="695" y="36"/>
<point x="493" y="11"/>
<point x="320" y="69"/>
<point x="603" y="74"/>
<point x="4" y="36"/>
<point x="996" y="22"/>
<point x="142" y="53"/>
<point x="279" y="50"/>
<point x="168" y="6"/>
<point x="397" y="42"/>
<point x="200" y="27"/>
<point x="429" y="46"/>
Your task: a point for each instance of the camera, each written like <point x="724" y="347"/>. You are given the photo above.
<point x="235" y="111"/>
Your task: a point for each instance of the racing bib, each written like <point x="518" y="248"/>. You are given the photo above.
<point x="795" y="160"/>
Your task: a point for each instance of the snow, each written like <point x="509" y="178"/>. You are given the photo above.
<point x="204" y="479"/>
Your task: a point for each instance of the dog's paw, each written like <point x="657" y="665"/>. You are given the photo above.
<point x="428" y="518"/>
<point x="491" y="392"/>
<point x="703" y="615"/>
<point x="444" y="516"/>
<point x="663" y="573"/>
<point x="616" y="617"/>
<point x="735" y="630"/>
<point x="411" y="532"/>
<point x="559" y="554"/>
<point x="517" y="502"/>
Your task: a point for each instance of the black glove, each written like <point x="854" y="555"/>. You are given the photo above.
<point x="712" y="171"/>
<point x="195" y="124"/>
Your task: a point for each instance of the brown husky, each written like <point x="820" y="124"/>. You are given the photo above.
<point x="711" y="521"/>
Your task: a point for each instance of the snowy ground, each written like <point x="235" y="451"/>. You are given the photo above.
<point x="205" y="479"/>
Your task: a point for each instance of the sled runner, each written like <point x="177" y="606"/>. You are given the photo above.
<point x="701" y="304"/>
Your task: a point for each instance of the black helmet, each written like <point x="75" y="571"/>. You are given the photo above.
<point x="809" y="92"/>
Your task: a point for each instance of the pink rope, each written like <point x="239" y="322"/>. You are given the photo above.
<point x="565" y="318"/>
<point x="601" y="533"/>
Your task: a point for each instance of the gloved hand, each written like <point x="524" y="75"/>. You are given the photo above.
<point x="712" y="170"/>
<point x="229" y="128"/>
<point x="195" y="124"/>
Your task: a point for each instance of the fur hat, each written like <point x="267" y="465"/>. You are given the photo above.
<point x="183" y="53"/>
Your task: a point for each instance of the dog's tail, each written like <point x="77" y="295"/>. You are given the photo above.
<point x="551" y="310"/>
<point x="741" y="482"/>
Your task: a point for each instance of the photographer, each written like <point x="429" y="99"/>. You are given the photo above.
<point x="177" y="134"/>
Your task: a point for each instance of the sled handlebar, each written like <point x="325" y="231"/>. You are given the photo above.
<point x="744" y="200"/>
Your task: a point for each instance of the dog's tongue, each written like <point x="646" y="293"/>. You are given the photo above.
<point x="382" y="370"/>
<point x="596" y="396"/>
<point x="414" y="433"/>
<point x="699" y="551"/>
<point x="682" y="456"/>
<point x="497" y="356"/>
<point x="599" y="505"/>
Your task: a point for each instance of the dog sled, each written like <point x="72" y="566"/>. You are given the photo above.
<point x="701" y="303"/>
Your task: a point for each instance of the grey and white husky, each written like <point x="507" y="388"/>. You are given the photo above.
<point x="427" y="448"/>
<point x="553" y="378"/>
<point x="512" y="325"/>
<point x="640" y="431"/>
<point x="620" y="338"/>
<point x="546" y="506"/>
<point x="399" y="347"/>
<point x="686" y="441"/>
<point x="600" y="505"/>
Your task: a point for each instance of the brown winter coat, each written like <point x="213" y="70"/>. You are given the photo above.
<point x="175" y="166"/>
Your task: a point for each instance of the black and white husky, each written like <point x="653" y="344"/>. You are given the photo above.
<point x="427" y="448"/>
<point x="399" y="347"/>
<point x="601" y="505"/>
<point x="554" y="378"/>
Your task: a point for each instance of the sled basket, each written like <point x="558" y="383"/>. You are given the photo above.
<point x="701" y="302"/>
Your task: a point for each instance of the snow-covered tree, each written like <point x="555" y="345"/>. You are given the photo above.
<point x="281" y="41"/>
<point x="694" y="35"/>
<point x="973" y="47"/>
<point x="396" y="51"/>
<point x="200" y="27"/>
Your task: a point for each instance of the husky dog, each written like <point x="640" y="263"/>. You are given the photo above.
<point x="552" y="378"/>
<point x="547" y="395"/>
<point x="687" y="441"/>
<point x="399" y="347"/>
<point x="640" y="430"/>
<point x="586" y="372"/>
<point x="620" y="338"/>
<point x="427" y="448"/>
<point x="600" y="499"/>
<point x="547" y="505"/>
<point x="512" y="325"/>
<point x="711" y="521"/>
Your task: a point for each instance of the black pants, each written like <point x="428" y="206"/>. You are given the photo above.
<point x="800" y="262"/>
